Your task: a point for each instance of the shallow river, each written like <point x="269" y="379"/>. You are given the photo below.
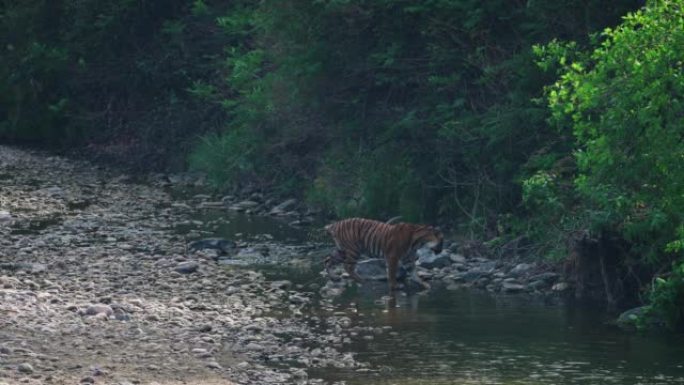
<point x="474" y="337"/>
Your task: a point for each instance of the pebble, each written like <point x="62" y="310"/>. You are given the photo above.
<point x="25" y="367"/>
<point x="187" y="267"/>
<point x="99" y="309"/>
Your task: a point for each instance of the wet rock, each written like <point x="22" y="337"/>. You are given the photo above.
<point x="224" y="246"/>
<point x="9" y="282"/>
<point x="640" y="318"/>
<point x="376" y="270"/>
<point x="121" y="315"/>
<point x="99" y="309"/>
<point x="5" y="217"/>
<point x="457" y="258"/>
<point x="283" y="207"/>
<point x="187" y="267"/>
<point x="548" y="277"/>
<point x="429" y="260"/>
<point x="538" y="285"/>
<point x="281" y="285"/>
<point x="520" y="269"/>
<point x="25" y="367"/>
<point x="251" y="255"/>
<point x="211" y="205"/>
<point x="54" y="191"/>
<point x="512" y="287"/>
<point x="561" y="286"/>
<point x="244" y="205"/>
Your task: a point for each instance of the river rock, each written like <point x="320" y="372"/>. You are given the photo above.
<point x="375" y="269"/>
<point x="224" y="246"/>
<point x="547" y="277"/>
<point x="25" y="367"/>
<point x="99" y="309"/>
<point x="520" y="269"/>
<point x="429" y="260"/>
<point x="512" y="287"/>
<point x="244" y="205"/>
<point x="284" y="207"/>
<point x="640" y="317"/>
<point x="282" y="285"/>
<point x="5" y="217"/>
<point x="187" y="267"/>
<point x="457" y="258"/>
<point x="538" y="284"/>
<point x="560" y="286"/>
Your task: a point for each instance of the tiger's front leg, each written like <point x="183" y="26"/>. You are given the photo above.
<point x="350" y="266"/>
<point x="392" y="266"/>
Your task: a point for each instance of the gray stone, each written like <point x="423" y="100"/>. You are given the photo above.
<point x="538" y="284"/>
<point x="512" y="287"/>
<point x="547" y="277"/>
<point x="244" y="205"/>
<point x="224" y="246"/>
<point x="457" y="258"/>
<point x="187" y="267"/>
<point x="640" y="317"/>
<point x="99" y="309"/>
<point x="5" y="217"/>
<point x="561" y="286"/>
<point x="282" y="285"/>
<point x="429" y="260"/>
<point x="376" y="270"/>
<point x="521" y="269"/>
<point x="284" y="207"/>
<point x="25" y="367"/>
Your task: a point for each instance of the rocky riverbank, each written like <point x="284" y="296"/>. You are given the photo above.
<point x="102" y="280"/>
<point x="97" y="287"/>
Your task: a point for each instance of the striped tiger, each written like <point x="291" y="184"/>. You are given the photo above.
<point x="396" y="243"/>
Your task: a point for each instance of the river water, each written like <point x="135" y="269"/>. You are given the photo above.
<point x="475" y="337"/>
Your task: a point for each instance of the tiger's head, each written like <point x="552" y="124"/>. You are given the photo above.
<point x="429" y="236"/>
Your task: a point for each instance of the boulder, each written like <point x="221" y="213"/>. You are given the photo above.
<point x="283" y="207"/>
<point x="187" y="267"/>
<point x="224" y="246"/>
<point x="561" y="286"/>
<point x="640" y="318"/>
<point x="430" y="260"/>
<point x="520" y="269"/>
<point x="547" y="277"/>
<point x="513" y="287"/>
<point x="376" y="270"/>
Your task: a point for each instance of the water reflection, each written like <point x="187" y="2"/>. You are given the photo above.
<point x="467" y="337"/>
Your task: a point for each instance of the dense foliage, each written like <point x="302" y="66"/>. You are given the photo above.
<point x="623" y="104"/>
<point x="392" y="107"/>
<point x="116" y="76"/>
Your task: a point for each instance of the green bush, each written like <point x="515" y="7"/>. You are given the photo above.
<point x="623" y="104"/>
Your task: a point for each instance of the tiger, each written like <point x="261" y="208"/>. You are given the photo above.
<point x="396" y="243"/>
